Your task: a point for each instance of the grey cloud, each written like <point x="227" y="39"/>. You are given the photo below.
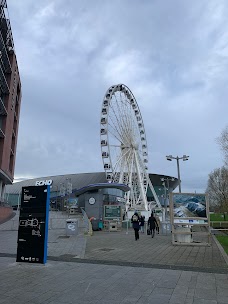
<point x="172" y="55"/>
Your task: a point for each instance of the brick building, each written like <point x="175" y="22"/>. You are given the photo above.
<point x="10" y="100"/>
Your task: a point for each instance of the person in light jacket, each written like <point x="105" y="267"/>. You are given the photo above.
<point x="135" y="220"/>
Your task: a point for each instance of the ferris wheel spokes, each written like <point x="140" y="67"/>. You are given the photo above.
<point x="141" y="183"/>
<point x="115" y="125"/>
<point x="122" y="131"/>
<point x="120" y="157"/>
<point x="123" y="143"/>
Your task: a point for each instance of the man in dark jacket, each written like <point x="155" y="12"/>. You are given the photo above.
<point x="135" y="224"/>
<point x="152" y="224"/>
<point x="142" y="223"/>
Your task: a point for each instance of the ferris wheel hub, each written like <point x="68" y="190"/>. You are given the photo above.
<point x="135" y="146"/>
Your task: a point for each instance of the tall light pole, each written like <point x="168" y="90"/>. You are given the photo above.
<point x="56" y="196"/>
<point x="69" y="191"/>
<point x="164" y="180"/>
<point x="165" y="198"/>
<point x="65" y="191"/>
<point x="62" y="192"/>
<point x="184" y="157"/>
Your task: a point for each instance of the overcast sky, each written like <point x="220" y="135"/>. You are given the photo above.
<point x="173" y="55"/>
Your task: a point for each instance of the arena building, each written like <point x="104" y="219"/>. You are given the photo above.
<point x="67" y="189"/>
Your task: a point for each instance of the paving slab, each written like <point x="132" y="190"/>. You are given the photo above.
<point x="159" y="251"/>
<point x="68" y="282"/>
<point x="119" y="248"/>
<point x="111" y="267"/>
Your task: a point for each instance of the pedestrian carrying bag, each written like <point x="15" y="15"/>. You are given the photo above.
<point x="134" y="218"/>
<point x="148" y="231"/>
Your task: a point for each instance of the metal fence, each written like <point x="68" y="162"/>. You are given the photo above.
<point x="219" y="225"/>
<point x="54" y="223"/>
<point x="4" y="203"/>
<point x="87" y="223"/>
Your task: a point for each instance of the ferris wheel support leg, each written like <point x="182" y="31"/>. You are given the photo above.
<point x="154" y="193"/>
<point x="142" y="191"/>
<point x="128" y="193"/>
<point x="122" y="170"/>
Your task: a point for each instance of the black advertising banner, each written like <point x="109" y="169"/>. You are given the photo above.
<point x="33" y="224"/>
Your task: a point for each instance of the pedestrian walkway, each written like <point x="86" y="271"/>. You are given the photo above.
<point x="121" y="248"/>
<point x="158" y="251"/>
<point x="80" y="283"/>
<point x="111" y="267"/>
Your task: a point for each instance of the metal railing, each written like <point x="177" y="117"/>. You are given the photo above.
<point x="53" y="224"/>
<point x="4" y="203"/>
<point x="219" y="225"/>
<point x="87" y="223"/>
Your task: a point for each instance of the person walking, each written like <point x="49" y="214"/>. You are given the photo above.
<point x="152" y="223"/>
<point x="142" y="223"/>
<point x="135" y="224"/>
<point x="158" y="223"/>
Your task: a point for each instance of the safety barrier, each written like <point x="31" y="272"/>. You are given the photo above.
<point x="87" y="223"/>
<point x="219" y="225"/>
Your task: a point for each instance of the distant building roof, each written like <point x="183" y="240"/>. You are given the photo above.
<point x="80" y="180"/>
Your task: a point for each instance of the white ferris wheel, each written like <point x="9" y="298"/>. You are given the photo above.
<point x="124" y="146"/>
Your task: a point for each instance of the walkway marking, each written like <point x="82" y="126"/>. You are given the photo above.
<point x="87" y="287"/>
<point x="129" y="264"/>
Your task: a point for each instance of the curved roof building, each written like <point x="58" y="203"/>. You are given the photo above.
<point x="75" y="183"/>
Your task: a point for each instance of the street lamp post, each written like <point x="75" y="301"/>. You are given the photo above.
<point x="165" y="198"/>
<point x="184" y="157"/>
<point x="65" y="191"/>
<point x="62" y="192"/>
<point x="164" y="180"/>
<point x="56" y="196"/>
<point x="68" y="190"/>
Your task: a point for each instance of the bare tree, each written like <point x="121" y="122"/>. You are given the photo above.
<point x="217" y="189"/>
<point x="223" y="143"/>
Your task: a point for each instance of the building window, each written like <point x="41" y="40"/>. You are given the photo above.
<point x="11" y="163"/>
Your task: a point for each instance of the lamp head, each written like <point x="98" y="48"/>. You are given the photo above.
<point x="185" y="157"/>
<point x="169" y="157"/>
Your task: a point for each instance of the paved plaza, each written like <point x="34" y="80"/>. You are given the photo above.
<point x="111" y="267"/>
